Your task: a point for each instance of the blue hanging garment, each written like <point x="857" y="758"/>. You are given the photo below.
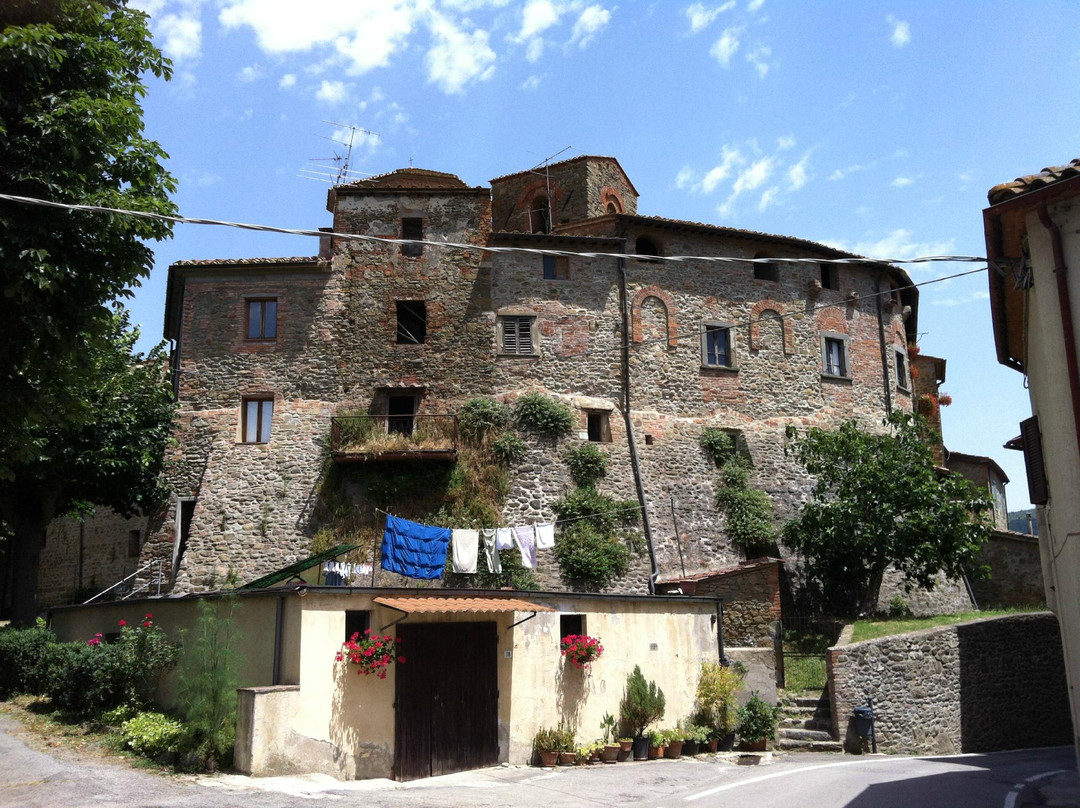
<point x="414" y="550"/>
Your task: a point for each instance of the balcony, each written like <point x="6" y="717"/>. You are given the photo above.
<point x="360" y="438"/>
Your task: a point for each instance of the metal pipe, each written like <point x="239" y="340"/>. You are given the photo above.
<point x="279" y="619"/>
<point x="884" y="351"/>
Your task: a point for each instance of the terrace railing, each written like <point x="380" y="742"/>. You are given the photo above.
<point x="357" y="438"/>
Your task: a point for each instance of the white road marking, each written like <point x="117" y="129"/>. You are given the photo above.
<point x="1010" y="799"/>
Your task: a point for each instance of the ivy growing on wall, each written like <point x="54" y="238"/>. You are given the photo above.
<point x="747" y="512"/>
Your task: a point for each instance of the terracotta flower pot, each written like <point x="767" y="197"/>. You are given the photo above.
<point x="610" y="753"/>
<point x="714" y="744"/>
<point x="548" y="758"/>
<point x="567" y="758"/>
<point x="656" y="752"/>
<point x="674" y="749"/>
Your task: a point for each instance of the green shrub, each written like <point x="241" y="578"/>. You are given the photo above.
<point x="509" y="448"/>
<point x="716" y="690"/>
<point x="748" y="512"/>
<point x="22" y="651"/>
<point x="757" y="719"/>
<point x="603" y="512"/>
<point x="152" y="735"/>
<point x="545" y="416"/>
<point x="642" y="703"/>
<point x="591" y="557"/>
<point x="718" y="444"/>
<point x="481" y="416"/>
<point x="587" y="464"/>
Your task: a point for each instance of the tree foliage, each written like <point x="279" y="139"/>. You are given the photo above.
<point x="71" y="130"/>
<point x="879" y="501"/>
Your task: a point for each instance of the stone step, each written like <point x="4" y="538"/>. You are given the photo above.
<point x="801" y="745"/>
<point x="793" y="734"/>
<point x="792" y="722"/>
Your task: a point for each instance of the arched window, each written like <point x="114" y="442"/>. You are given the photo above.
<point x="540" y="218"/>
<point x="612" y="208"/>
<point x="643" y="245"/>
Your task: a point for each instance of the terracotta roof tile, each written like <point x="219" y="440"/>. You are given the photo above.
<point x="1033" y="182"/>
<point x="237" y="262"/>
<point x="430" y="605"/>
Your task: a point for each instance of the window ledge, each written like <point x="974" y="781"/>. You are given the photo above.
<point x="905" y="390"/>
<point x="518" y="355"/>
<point x="829" y="377"/>
<point x="725" y="369"/>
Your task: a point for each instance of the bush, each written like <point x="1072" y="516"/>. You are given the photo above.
<point x="587" y="464"/>
<point x="716" y="690"/>
<point x="22" y="651"/>
<point x="545" y="416"/>
<point x="757" y="720"/>
<point x="152" y="735"/>
<point x="590" y="556"/>
<point x="748" y="512"/>
<point x="642" y="703"/>
<point x="718" y="445"/>
<point x="601" y="511"/>
<point x="481" y="416"/>
<point x="509" y="448"/>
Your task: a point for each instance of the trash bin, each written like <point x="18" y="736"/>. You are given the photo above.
<point x="864" y="721"/>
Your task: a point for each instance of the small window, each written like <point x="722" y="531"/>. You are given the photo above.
<point x="829" y="276"/>
<point x="516" y="335"/>
<point x="540" y="215"/>
<point x="556" y="267"/>
<point x="134" y="543"/>
<point x="643" y="245"/>
<point x="612" y="208"/>
<point x="400" y="415"/>
<point x="766" y="272"/>
<point x="412" y="229"/>
<point x="262" y="319"/>
<point x="716" y="346"/>
<point x="599" y="426"/>
<point x="902" y="380"/>
<point x="257" y="417"/>
<point x="834" y="356"/>
<point x="411" y="322"/>
<point x="571" y="624"/>
<point x="357" y="621"/>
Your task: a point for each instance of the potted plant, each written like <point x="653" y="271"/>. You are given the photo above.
<point x="696" y="736"/>
<point x="610" y="753"/>
<point x="757" y="723"/>
<point x="564" y="739"/>
<point x="673" y="742"/>
<point x="717" y="688"/>
<point x="656" y="743"/>
<point x="370" y="653"/>
<point x="546" y="744"/>
<point x="642" y="704"/>
<point x="581" y="649"/>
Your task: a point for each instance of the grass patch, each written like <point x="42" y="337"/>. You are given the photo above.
<point x="872" y="629"/>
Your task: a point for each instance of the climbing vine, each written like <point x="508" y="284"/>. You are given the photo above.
<point x="747" y="512"/>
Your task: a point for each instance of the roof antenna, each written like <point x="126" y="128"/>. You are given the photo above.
<point x="343" y="173"/>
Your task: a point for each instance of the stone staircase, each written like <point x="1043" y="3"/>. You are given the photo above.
<point x="806" y="724"/>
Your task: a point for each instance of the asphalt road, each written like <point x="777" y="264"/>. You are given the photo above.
<point x="30" y="778"/>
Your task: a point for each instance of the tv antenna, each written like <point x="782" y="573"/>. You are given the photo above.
<point x="342" y="172"/>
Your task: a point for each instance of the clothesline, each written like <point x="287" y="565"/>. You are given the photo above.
<point x="560" y="520"/>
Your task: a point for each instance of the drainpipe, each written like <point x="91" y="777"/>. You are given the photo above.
<point x="631" y="443"/>
<point x="1061" y="273"/>
<point x="278" y="624"/>
<point x="884" y="351"/>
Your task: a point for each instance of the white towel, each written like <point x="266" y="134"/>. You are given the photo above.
<point x="465" y="544"/>
<point x="545" y="536"/>
<point x="504" y="538"/>
<point x="491" y="551"/>
<point x="526" y="542"/>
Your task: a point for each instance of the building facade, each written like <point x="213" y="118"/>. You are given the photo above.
<point x="427" y="293"/>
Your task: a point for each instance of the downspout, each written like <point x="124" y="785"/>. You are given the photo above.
<point x="278" y="630"/>
<point x="884" y="351"/>
<point x="631" y="442"/>
<point x="1061" y="273"/>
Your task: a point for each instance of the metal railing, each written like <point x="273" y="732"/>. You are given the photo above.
<point x="393" y="435"/>
<point x="155" y="579"/>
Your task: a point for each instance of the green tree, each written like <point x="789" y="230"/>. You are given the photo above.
<point x="879" y="501"/>
<point x="71" y="131"/>
<point x="114" y="457"/>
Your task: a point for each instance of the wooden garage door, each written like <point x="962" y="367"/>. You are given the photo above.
<point x="446" y="699"/>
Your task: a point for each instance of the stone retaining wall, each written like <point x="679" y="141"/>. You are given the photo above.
<point x="981" y="686"/>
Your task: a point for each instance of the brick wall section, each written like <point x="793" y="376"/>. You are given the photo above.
<point x="1015" y="572"/>
<point x="981" y="686"/>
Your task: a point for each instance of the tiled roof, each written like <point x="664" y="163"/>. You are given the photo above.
<point x="1033" y="182"/>
<point x="437" y="605"/>
<point x="577" y="159"/>
<point x="746" y="566"/>
<point x="407" y="178"/>
<point x="234" y="262"/>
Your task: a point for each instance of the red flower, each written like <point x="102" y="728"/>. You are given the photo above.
<point x="121" y="623"/>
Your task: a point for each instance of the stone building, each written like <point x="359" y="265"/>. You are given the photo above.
<point x="427" y="292"/>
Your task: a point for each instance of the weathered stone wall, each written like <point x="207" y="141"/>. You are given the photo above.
<point x="1015" y="572"/>
<point x="980" y="686"/>
<point x="947" y="596"/>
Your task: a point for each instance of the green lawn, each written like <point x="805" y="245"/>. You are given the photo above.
<point x="871" y="629"/>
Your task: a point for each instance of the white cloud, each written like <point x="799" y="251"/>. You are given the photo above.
<point x="902" y="182"/>
<point x="591" y="22"/>
<point x="536" y="17"/>
<point x="768" y="198"/>
<point x="897" y="244"/>
<point x="458" y="57"/>
<point x="745" y="169"/>
<point x="685" y="177"/>
<point x="901" y="32"/>
<point x="785" y="142"/>
<point x="701" y="16"/>
<point x="287" y="81"/>
<point x="974" y="297"/>
<point x="840" y="173"/>
<point x="331" y="92"/>
<point x="759" y="58"/>
<point x="531" y="83"/>
<point x="207" y="179"/>
<point x="249" y="74"/>
<point x="181" y="35"/>
<point x="725" y="47"/>
<point x="965" y="176"/>
<point x="798" y="174"/>
<point x="755" y="175"/>
<point x="732" y="158"/>
<point x="754" y="5"/>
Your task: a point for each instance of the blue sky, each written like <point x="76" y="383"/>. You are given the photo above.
<point x="873" y="127"/>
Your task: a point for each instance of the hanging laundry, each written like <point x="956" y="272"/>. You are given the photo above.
<point x="465" y="543"/>
<point x="504" y="538"/>
<point x="491" y="550"/>
<point x="526" y="542"/>
<point x="545" y="536"/>
<point x="414" y="550"/>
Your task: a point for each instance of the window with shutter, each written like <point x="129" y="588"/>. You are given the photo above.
<point x="517" y="335"/>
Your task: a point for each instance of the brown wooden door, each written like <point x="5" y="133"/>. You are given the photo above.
<point x="446" y="699"/>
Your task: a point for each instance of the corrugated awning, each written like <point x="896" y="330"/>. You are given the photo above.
<point x="430" y="605"/>
<point x="285" y="573"/>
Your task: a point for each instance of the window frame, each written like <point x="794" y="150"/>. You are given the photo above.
<point x="902" y="368"/>
<point x="829" y="276"/>
<point x="259" y="401"/>
<point x="843" y="341"/>
<point x="571" y="624"/>
<point x="555" y="267"/>
<point x="261" y="302"/>
<point x="412" y="229"/>
<point x="418" y="310"/>
<point x="501" y="334"/>
<point x="712" y="326"/>
<point x="602" y="419"/>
